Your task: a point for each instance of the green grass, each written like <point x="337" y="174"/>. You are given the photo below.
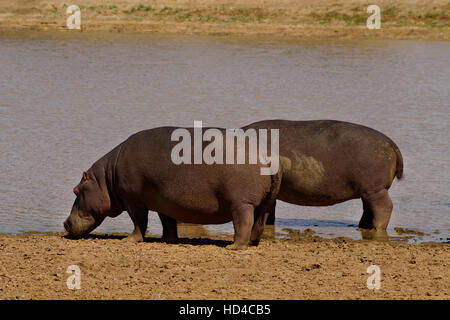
<point x="429" y="15"/>
<point x="141" y="7"/>
<point x="390" y="12"/>
<point x="334" y="16"/>
<point x="353" y="16"/>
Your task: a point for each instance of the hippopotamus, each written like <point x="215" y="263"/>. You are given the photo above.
<point x="140" y="175"/>
<point x="325" y="162"/>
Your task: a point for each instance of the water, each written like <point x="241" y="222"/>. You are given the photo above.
<point x="66" y="101"/>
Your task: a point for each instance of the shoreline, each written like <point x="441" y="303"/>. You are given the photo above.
<point x="395" y="235"/>
<point x="307" y="19"/>
<point x="302" y="267"/>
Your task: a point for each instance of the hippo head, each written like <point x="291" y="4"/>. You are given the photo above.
<point x="91" y="206"/>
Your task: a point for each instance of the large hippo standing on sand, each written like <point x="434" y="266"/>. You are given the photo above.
<point x="139" y="175"/>
<point x="325" y="162"/>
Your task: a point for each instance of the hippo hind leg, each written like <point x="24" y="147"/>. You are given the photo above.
<point x="257" y="229"/>
<point x="169" y="225"/>
<point x="261" y="217"/>
<point x="271" y="217"/>
<point x="243" y="217"/>
<point x="377" y="210"/>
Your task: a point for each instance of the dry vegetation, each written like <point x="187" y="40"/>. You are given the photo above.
<point x="306" y="18"/>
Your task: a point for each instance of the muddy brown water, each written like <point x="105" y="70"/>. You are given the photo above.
<point x="66" y="101"/>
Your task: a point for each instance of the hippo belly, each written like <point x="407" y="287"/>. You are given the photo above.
<point x="186" y="203"/>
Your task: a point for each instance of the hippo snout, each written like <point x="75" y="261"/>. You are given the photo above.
<point x="68" y="226"/>
<point x="74" y="228"/>
<point x="79" y="226"/>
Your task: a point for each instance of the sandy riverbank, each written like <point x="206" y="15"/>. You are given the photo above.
<point x="302" y="267"/>
<point x="310" y="19"/>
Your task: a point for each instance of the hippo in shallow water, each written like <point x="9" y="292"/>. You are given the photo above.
<point x="139" y="175"/>
<point x="325" y="162"/>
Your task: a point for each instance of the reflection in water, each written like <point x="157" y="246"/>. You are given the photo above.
<point x="190" y="230"/>
<point x="378" y="235"/>
<point x="269" y="232"/>
<point x="287" y="227"/>
<point x="314" y="223"/>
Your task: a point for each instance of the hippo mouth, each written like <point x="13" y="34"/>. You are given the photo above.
<point x="78" y="226"/>
<point x="80" y="231"/>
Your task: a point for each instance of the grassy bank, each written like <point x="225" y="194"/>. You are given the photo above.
<point x="404" y="19"/>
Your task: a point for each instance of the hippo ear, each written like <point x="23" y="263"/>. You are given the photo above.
<point x="85" y="176"/>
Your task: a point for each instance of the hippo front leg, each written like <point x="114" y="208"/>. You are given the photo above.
<point x="139" y="216"/>
<point x="169" y="225"/>
<point x="243" y="222"/>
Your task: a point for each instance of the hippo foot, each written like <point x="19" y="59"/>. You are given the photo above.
<point x="133" y="238"/>
<point x="236" y="246"/>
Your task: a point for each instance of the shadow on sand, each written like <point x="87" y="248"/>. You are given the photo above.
<point x="190" y="241"/>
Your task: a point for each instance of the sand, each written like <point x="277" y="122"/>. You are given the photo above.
<point x="302" y="266"/>
<point x="310" y="19"/>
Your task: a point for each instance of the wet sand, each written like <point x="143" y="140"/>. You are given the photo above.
<point x="302" y="267"/>
<point x="310" y="19"/>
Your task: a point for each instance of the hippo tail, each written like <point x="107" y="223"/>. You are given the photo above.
<point x="272" y="195"/>
<point x="398" y="163"/>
